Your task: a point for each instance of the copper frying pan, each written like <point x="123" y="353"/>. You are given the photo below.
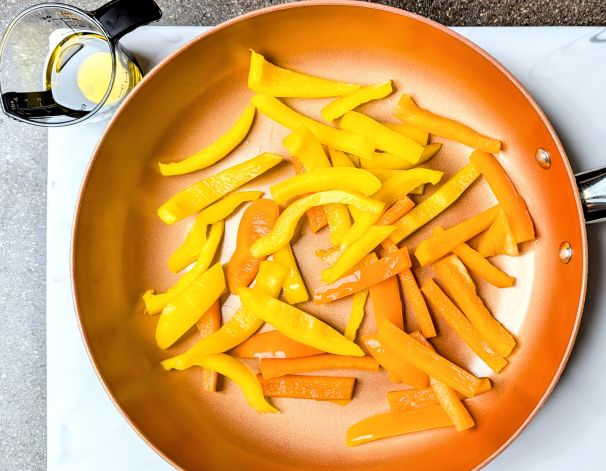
<point x="120" y="248"/>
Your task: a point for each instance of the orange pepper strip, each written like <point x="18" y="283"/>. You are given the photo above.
<point x="207" y="324"/>
<point x="316" y="215"/>
<point x="386" y="302"/>
<point x="409" y="112"/>
<point x="257" y="221"/>
<point x="399" y="370"/>
<point x="396" y="211"/>
<point x="498" y="239"/>
<point x="274" y="367"/>
<point x="411" y="399"/>
<point x="459" y="285"/>
<point x="330" y="255"/>
<point x="364" y="277"/>
<point x="273" y="344"/>
<point x="461" y="325"/>
<point x="509" y="199"/>
<point x="426" y="360"/>
<point x="320" y="388"/>
<point x="392" y="424"/>
<point x="439" y="245"/>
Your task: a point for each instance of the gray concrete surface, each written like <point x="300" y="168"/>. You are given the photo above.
<point x="23" y="204"/>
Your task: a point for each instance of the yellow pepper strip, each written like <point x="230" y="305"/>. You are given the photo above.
<point x="337" y="108"/>
<point x="387" y="160"/>
<point x="236" y="330"/>
<point x="337" y="138"/>
<point x="302" y="144"/>
<point x="339" y="222"/>
<point x="296" y="324"/>
<point x="324" y="179"/>
<point x="292" y="286"/>
<point x="199" y="195"/>
<point x="362" y="222"/>
<point x="386" y="139"/>
<point x="240" y="374"/>
<point x="217" y="150"/>
<point x="285" y="226"/>
<point x="182" y="312"/>
<point x="357" y="314"/>
<point x="440" y="200"/>
<point x="339" y="158"/>
<point x="409" y="112"/>
<point x="356" y="251"/>
<point x="154" y="303"/>
<point x="416" y="134"/>
<point x="187" y="252"/>
<point x="269" y="79"/>
<point x="403" y="183"/>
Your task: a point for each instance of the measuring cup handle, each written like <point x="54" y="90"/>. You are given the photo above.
<point x="120" y="17"/>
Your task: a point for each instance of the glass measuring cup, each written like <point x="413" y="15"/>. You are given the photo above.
<point x="60" y="65"/>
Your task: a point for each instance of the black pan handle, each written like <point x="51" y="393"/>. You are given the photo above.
<point x="120" y="17"/>
<point x="592" y="186"/>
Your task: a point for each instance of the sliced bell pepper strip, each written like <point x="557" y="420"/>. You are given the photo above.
<point x="389" y="161"/>
<point x="296" y="324"/>
<point x="332" y="178"/>
<point x="257" y="221"/>
<point x="364" y="277"/>
<point x="199" y="195"/>
<point x="240" y="374"/>
<point x="337" y="108"/>
<point x="182" y="312"/>
<point x="356" y="251"/>
<point x="242" y="324"/>
<point x="409" y="112"/>
<point x="209" y="323"/>
<point x="512" y="203"/>
<point x="269" y="79"/>
<point x="273" y="344"/>
<point x="291" y="119"/>
<point x="293" y="286"/>
<point x="319" y="388"/>
<point x="441" y="244"/>
<point x="274" y="367"/>
<point x="286" y="224"/>
<point x="498" y="239"/>
<point x="154" y="303"/>
<point x="435" y="204"/>
<point x="386" y="302"/>
<point x="458" y="284"/>
<point x="362" y="222"/>
<point x="339" y="222"/>
<point x="481" y="266"/>
<point x="357" y="314"/>
<point x="190" y="249"/>
<point x="339" y="158"/>
<point x="416" y="134"/>
<point x="329" y="255"/>
<point x="411" y="399"/>
<point x="396" y="211"/>
<point x="315" y="216"/>
<point x="404" y="182"/>
<point x="399" y="370"/>
<point x="427" y="360"/>
<point x="217" y="150"/>
<point x="305" y="146"/>
<point x="385" y="139"/>
<point x="446" y="309"/>
<point x="393" y="424"/>
<point x="419" y="307"/>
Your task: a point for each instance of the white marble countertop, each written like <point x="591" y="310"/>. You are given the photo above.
<point x="563" y="68"/>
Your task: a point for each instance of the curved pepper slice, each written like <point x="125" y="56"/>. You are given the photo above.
<point x="273" y="344"/>
<point x="302" y="144"/>
<point x="199" y="195"/>
<point x="293" y="286"/>
<point x="387" y="160"/>
<point x="269" y="79"/>
<point x="190" y="249"/>
<point x="337" y="108"/>
<point x="286" y="224"/>
<point x="362" y="222"/>
<point x="240" y="374"/>
<point x="339" y="158"/>
<point x="403" y="183"/>
<point x="182" y="312"/>
<point x="242" y="324"/>
<point x="386" y="139"/>
<point x="154" y="303"/>
<point x="416" y="134"/>
<point x="296" y="324"/>
<point x="216" y="151"/>
<point x="331" y="178"/>
<point x="337" y="138"/>
<point x="275" y="367"/>
<point x="408" y="111"/>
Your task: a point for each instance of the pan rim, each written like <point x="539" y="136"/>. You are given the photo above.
<point x="345" y="3"/>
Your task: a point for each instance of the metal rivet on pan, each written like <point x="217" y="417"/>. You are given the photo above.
<point x="565" y="252"/>
<point x="543" y="158"/>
